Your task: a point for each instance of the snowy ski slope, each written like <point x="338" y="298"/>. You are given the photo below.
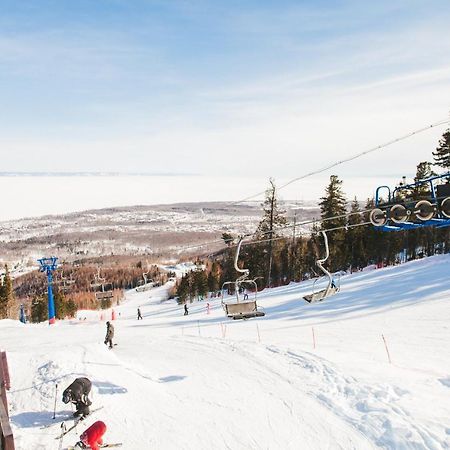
<point x="203" y="382"/>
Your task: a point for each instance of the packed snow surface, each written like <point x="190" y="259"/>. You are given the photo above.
<point x="302" y="377"/>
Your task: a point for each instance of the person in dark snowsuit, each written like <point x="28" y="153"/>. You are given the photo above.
<point x="186" y="311"/>
<point x="139" y="314"/>
<point x="93" y="436"/>
<point x="109" y="334"/>
<point x="78" y="393"/>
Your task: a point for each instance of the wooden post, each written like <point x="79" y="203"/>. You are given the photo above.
<point x="6" y="435"/>
<point x="387" y="350"/>
<point x="3" y="384"/>
<point x="259" y="336"/>
<point x="4" y="364"/>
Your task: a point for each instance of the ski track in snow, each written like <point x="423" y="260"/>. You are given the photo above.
<point x="174" y="382"/>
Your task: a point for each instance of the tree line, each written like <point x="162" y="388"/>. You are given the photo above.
<point x="280" y="258"/>
<point x="74" y="287"/>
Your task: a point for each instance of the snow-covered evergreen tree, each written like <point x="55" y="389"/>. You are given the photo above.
<point x="442" y="154"/>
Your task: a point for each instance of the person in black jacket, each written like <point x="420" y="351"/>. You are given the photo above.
<point x="109" y="334"/>
<point x="77" y="393"/>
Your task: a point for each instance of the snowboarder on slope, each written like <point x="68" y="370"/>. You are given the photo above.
<point x="77" y="393"/>
<point x="93" y="436"/>
<point x="139" y="314"/>
<point x="109" y="334"/>
<point x="186" y="311"/>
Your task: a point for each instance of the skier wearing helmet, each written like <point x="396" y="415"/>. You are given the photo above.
<point x="77" y="393"/>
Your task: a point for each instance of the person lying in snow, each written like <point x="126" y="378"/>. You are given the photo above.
<point x="77" y="393"/>
<point x="92" y="436"/>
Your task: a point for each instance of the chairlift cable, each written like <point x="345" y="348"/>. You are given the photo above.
<point x="286" y="227"/>
<point x="217" y="241"/>
<point x="350" y="158"/>
<point x="259" y="241"/>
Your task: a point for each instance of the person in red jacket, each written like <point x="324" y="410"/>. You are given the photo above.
<point x="93" y="436"/>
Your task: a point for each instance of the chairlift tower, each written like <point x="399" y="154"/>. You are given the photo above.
<point x="48" y="265"/>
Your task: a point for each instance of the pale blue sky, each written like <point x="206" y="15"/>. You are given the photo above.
<point x="202" y="86"/>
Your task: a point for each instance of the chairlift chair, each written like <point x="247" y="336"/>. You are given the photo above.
<point x="64" y="282"/>
<point x="333" y="286"/>
<point x="146" y="285"/>
<point x="99" y="281"/>
<point x="238" y="308"/>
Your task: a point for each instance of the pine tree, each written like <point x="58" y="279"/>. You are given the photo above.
<point x="213" y="278"/>
<point x="201" y="283"/>
<point x="442" y="154"/>
<point x="333" y="204"/>
<point x="183" y="290"/>
<point x="423" y="171"/>
<point x="298" y="265"/>
<point x="333" y="215"/>
<point x="355" y="237"/>
<point x="71" y="308"/>
<point x="273" y="217"/>
<point x="60" y="305"/>
<point x="39" y="309"/>
<point x="6" y="294"/>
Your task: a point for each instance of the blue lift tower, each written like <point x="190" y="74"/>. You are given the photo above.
<point x="48" y="265"/>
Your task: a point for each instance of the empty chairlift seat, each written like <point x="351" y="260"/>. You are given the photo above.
<point x="320" y="295"/>
<point x="243" y="310"/>
<point x="332" y="287"/>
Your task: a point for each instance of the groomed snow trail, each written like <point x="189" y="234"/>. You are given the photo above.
<point x="202" y="382"/>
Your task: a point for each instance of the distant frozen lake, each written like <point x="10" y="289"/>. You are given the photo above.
<point x="29" y="196"/>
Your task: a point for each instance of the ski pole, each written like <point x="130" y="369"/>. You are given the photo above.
<point x="56" y="396"/>
<point x="63" y="429"/>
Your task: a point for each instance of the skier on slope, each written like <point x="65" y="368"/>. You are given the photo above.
<point x="77" y="393"/>
<point x="139" y="315"/>
<point x="92" y="436"/>
<point x="109" y="334"/>
<point x="186" y="311"/>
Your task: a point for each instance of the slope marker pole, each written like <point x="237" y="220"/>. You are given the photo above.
<point x="387" y="350"/>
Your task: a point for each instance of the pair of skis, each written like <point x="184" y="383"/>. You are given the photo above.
<point x="118" y="444"/>
<point x="77" y="421"/>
